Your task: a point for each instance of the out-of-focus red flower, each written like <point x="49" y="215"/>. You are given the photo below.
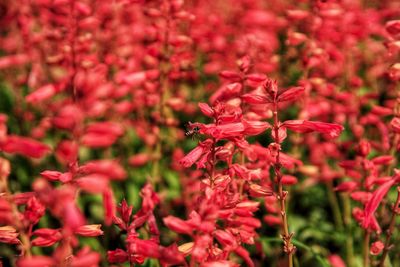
<point x="13" y="60"/>
<point x="24" y="146"/>
<point x="393" y="27"/>
<point x="46" y="237"/>
<point x="376" y="247"/>
<point x="9" y="235"/>
<point x="34" y="210"/>
<point x="336" y="261"/>
<point x="374" y="202"/>
<point x="89" y="230"/>
<point x="41" y="94"/>
<point x="85" y="257"/>
<point x="139" y="159"/>
<point x="178" y="225"/>
<point x="110" y="168"/>
<point x="302" y="126"/>
<point x="195" y="154"/>
<point x="36" y="261"/>
<point x="117" y="256"/>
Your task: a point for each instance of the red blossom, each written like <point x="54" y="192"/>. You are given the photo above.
<point x="303" y="126"/>
<point x="24" y="146"/>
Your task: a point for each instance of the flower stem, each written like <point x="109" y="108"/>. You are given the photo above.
<point x="288" y="246"/>
<point x="367" y="237"/>
<point x="347" y="223"/>
<point x="389" y="233"/>
<point x="337" y="215"/>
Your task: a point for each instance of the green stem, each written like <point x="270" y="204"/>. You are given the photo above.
<point x="349" y="236"/>
<point x="323" y="262"/>
<point x="337" y="214"/>
<point x="395" y="211"/>
<point x="367" y="237"/>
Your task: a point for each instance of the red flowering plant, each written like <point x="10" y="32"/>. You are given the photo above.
<point x="95" y="97"/>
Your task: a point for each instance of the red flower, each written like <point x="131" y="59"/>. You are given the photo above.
<point x="302" y="126"/>
<point x="373" y="203"/>
<point x="117" y="256"/>
<point x="178" y="225"/>
<point x="8" y="234"/>
<point x="41" y="94"/>
<point x="46" y="237"/>
<point x="89" y="230"/>
<point x="24" y="146"/>
<point x="376" y="248"/>
<point x="195" y="154"/>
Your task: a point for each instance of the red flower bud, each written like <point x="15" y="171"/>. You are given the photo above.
<point x="89" y="230"/>
<point x="178" y="225"/>
<point x="291" y="94"/>
<point x="393" y="27"/>
<point x="376" y="248"/>
<point x="8" y="234"/>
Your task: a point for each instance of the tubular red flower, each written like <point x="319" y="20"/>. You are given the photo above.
<point x="178" y="225"/>
<point x="85" y="258"/>
<point x="256" y="99"/>
<point x="195" y="154"/>
<point x="374" y="202"/>
<point x="36" y="261"/>
<point x="377" y="247"/>
<point x="93" y="183"/>
<point x="290" y="94"/>
<point x="8" y="234"/>
<point x="41" y="94"/>
<point x="46" y="237"/>
<point x="347" y="186"/>
<point x="302" y="126"/>
<point x="110" y="168"/>
<point x="336" y="261"/>
<point x="13" y="60"/>
<point x="117" y="256"/>
<point x="24" y="146"/>
<point x="89" y="230"/>
<point x="255" y="127"/>
<point x="206" y="109"/>
<point x="393" y="27"/>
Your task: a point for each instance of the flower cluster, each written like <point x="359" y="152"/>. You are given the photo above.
<point x="231" y="132"/>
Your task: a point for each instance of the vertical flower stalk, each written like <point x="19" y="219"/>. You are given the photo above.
<point x="288" y="246"/>
<point x="389" y="233"/>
